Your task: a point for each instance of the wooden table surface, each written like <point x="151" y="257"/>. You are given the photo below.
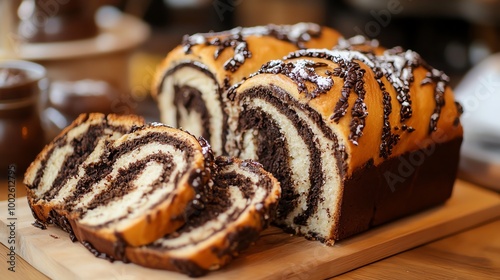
<point x="471" y="254"/>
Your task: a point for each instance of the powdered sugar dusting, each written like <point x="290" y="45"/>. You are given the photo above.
<point x="235" y="38"/>
<point x="356" y="41"/>
<point x="302" y="72"/>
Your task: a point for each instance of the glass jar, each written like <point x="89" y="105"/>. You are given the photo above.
<point x="21" y="134"/>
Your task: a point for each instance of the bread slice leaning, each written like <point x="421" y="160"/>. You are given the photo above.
<point x="238" y="204"/>
<point x="130" y="190"/>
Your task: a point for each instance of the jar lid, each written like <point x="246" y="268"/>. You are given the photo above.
<point x="19" y="79"/>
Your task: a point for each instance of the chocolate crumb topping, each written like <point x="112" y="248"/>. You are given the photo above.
<point x="227" y="83"/>
<point x="352" y="74"/>
<point x="39" y="225"/>
<point x="218" y="200"/>
<point x="235" y="38"/>
<point x="300" y="71"/>
<point x="440" y="80"/>
<point x="62" y="222"/>
<point x="394" y="64"/>
<point x="96" y="253"/>
<point x="388" y="139"/>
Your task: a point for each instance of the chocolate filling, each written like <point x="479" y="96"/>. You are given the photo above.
<point x="193" y="64"/>
<point x="206" y="122"/>
<point x="272" y="149"/>
<point x="126" y="175"/>
<point x="239" y="241"/>
<point x="218" y="200"/>
<point x="273" y="155"/>
<point x="83" y="146"/>
<point x="190" y="98"/>
<point x="58" y="142"/>
<point x="95" y="172"/>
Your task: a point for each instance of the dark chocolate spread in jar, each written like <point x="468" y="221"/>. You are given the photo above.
<point x="21" y="133"/>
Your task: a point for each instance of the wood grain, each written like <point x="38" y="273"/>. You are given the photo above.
<point x="472" y="254"/>
<point x="275" y="255"/>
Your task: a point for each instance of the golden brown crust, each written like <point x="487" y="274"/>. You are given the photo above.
<point x="423" y="103"/>
<point x="153" y="224"/>
<point x="262" y="47"/>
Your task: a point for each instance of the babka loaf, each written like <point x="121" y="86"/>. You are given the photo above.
<point x="190" y="83"/>
<point x="356" y="139"/>
<point x="238" y="204"/>
<point x="129" y="191"/>
<point x="123" y="188"/>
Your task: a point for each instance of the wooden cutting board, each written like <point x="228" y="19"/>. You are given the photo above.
<point x="276" y="255"/>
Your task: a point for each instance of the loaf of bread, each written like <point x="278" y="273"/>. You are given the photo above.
<point x="356" y="139"/>
<point x="354" y="136"/>
<point x="357" y="134"/>
<point x="239" y="203"/>
<point x="120" y="191"/>
<point x="149" y="194"/>
<point x="190" y="83"/>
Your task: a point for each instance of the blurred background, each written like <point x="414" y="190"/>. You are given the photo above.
<point x="101" y="55"/>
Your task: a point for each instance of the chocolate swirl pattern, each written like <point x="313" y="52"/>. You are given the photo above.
<point x="149" y="194"/>
<point x="374" y="109"/>
<point x="53" y="176"/>
<point x="239" y="191"/>
<point x="135" y="188"/>
<point x="190" y="84"/>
